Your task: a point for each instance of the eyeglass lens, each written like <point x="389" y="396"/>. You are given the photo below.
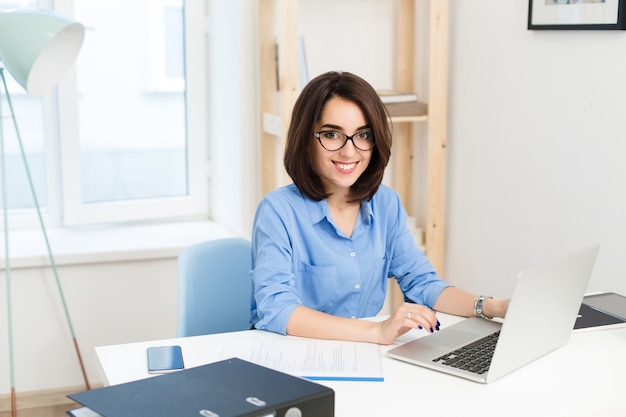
<point x="332" y="140"/>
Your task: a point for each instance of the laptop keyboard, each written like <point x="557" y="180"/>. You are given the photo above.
<point x="474" y="357"/>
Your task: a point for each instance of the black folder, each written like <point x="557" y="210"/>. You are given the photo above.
<point x="601" y="311"/>
<point x="589" y="317"/>
<point x="229" y="388"/>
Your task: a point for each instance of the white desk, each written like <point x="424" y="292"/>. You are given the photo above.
<point x="586" y="377"/>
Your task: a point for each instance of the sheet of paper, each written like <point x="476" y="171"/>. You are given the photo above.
<point x="313" y="359"/>
<point x="83" y="412"/>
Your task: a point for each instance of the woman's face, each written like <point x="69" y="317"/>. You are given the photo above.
<point x="340" y="169"/>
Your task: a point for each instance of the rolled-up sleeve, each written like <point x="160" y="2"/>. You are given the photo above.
<point x="415" y="275"/>
<point x="274" y="294"/>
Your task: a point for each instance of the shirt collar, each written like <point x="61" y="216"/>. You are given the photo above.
<point x="318" y="210"/>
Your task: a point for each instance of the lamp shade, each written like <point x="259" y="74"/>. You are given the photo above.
<point x="38" y="47"/>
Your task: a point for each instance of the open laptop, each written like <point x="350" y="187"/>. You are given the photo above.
<point x="540" y="318"/>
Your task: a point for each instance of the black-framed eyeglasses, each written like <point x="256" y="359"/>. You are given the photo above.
<point x="331" y="140"/>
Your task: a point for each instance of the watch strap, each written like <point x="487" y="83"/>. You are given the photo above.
<point x="478" y="307"/>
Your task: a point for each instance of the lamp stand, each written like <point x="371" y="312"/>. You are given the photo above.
<point x="6" y="246"/>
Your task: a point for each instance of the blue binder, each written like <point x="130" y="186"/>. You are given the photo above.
<point x="229" y="388"/>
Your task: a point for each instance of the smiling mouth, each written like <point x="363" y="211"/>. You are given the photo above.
<point x="346" y="168"/>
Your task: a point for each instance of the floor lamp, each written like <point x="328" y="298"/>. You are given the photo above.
<point x="37" y="47"/>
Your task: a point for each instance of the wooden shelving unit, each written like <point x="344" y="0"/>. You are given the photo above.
<point x="277" y="106"/>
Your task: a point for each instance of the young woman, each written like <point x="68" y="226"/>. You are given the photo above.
<point x="324" y="247"/>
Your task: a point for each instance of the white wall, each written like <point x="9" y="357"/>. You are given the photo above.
<point x="109" y="303"/>
<point x="232" y="100"/>
<point x="535" y="147"/>
<point x="120" y="285"/>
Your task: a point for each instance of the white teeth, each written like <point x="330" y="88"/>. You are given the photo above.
<point x="346" y="167"/>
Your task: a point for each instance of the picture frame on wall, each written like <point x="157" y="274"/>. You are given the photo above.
<point x="576" y="14"/>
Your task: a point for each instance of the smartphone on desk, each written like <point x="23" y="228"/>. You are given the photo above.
<point x="163" y="359"/>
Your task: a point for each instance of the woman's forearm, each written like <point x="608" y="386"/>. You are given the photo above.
<point x="460" y="303"/>
<point x="307" y="322"/>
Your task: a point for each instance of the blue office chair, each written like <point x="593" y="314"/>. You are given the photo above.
<point x="214" y="287"/>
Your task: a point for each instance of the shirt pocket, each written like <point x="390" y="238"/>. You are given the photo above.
<point x="318" y="287"/>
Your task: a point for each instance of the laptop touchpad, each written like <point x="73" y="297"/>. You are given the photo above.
<point x="451" y="338"/>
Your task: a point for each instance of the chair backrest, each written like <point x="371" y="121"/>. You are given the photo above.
<point x="214" y="287"/>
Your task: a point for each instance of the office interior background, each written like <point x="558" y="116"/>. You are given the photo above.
<point x="534" y="156"/>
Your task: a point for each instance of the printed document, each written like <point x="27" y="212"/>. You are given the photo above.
<point x="313" y="359"/>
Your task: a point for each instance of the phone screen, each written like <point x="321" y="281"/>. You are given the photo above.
<point x="163" y="359"/>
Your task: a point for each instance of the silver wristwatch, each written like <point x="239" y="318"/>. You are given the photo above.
<point x="478" y="307"/>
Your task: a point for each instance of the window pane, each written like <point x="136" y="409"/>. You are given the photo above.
<point x="28" y="114"/>
<point x="131" y="100"/>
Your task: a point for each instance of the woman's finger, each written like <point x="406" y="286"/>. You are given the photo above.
<point x="423" y="317"/>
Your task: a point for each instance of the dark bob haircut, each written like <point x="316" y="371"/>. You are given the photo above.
<point x="299" y="157"/>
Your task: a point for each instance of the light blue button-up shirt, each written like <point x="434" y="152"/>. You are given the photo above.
<point x="299" y="257"/>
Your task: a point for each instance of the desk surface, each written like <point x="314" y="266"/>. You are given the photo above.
<point x="586" y="377"/>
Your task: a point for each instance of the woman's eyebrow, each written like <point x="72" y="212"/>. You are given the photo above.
<point x="335" y="127"/>
<point x="331" y="126"/>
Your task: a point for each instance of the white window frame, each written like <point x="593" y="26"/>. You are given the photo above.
<point x="156" y="77"/>
<point x="193" y="205"/>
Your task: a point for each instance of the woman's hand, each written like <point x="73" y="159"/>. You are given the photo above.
<point x="406" y="317"/>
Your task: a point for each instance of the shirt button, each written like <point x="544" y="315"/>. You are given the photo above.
<point x="352" y="254"/>
<point x="357" y="286"/>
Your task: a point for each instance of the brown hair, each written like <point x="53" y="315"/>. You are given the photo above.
<point x="299" y="160"/>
